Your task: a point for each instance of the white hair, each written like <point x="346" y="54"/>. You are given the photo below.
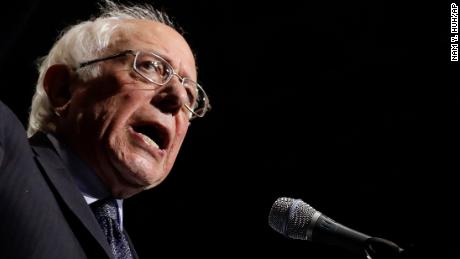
<point x="79" y="43"/>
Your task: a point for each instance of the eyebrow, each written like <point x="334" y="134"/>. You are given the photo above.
<point x="170" y="61"/>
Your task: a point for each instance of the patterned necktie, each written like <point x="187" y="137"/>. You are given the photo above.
<point x="106" y="212"/>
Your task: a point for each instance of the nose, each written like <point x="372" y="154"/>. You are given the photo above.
<point x="171" y="97"/>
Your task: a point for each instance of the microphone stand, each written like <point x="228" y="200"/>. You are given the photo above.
<point x="379" y="248"/>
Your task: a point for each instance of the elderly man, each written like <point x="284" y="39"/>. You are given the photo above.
<point x="113" y="103"/>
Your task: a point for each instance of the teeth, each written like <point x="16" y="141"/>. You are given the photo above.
<point x="149" y="141"/>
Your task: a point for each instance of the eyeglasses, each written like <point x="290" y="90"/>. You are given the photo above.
<point x="157" y="70"/>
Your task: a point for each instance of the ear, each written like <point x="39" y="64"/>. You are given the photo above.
<point x="57" y="84"/>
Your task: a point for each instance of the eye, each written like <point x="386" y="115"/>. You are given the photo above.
<point x="191" y="99"/>
<point x="152" y="66"/>
<point x="192" y="93"/>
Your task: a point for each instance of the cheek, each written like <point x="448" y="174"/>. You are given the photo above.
<point x="115" y="113"/>
<point x="180" y="135"/>
<point x="177" y="143"/>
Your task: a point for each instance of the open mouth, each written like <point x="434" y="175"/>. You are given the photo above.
<point x="154" y="135"/>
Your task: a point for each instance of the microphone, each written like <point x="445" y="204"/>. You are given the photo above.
<point x="296" y="219"/>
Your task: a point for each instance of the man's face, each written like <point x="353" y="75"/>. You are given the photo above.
<point x="129" y="130"/>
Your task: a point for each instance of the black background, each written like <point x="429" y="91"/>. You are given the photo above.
<point x="351" y="107"/>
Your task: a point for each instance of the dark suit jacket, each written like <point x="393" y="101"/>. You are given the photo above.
<point x="42" y="212"/>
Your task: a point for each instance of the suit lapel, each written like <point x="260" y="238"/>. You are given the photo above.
<point x="133" y="251"/>
<point x="65" y="187"/>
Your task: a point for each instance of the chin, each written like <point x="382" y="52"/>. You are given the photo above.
<point x="133" y="165"/>
<point x="135" y="175"/>
<point x="125" y="190"/>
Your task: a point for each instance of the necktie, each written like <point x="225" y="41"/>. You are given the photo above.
<point x="106" y="212"/>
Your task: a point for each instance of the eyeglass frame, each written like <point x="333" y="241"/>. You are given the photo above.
<point x="172" y="73"/>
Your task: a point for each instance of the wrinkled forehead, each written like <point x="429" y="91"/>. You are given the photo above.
<point x="158" y="37"/>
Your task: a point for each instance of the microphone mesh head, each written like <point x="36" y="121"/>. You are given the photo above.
<point x="291" y="217"/>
